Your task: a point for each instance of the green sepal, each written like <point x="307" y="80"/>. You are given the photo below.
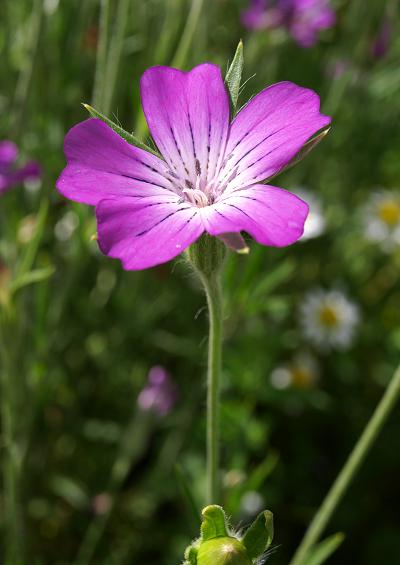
<point x="129" y="137"/>
<point x="259" y="535"/>
<point x="214" y="523"/>
<point x="234" y="75"/>
<point x="207" y="255"/>
<point x="191" y="554"/>
<point x="223" y="551"/>
<point x="321" y="552"/>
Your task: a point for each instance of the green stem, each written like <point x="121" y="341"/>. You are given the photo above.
<point x="25" y="78"/>
<point x="101" y="57"/>
<point x="11" y="459"/>
<point x="212" y="287"/>
<point x="114" y="56"/>
<point x="353" y="463"/>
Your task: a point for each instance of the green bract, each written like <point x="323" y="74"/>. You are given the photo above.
<point x="218" y="545"/>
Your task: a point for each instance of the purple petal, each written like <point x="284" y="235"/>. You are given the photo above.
<point x="30" y="171"/>
<point x="271" y="215"/>
<point x="148" y="233"/>
<point x="188" y="117"/>
<point x="8" y="154"/>
<point x="103" y="165"/>
<point x="269" y="131"/>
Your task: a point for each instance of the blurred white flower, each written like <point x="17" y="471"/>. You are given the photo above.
<point x="316" y="223"/>
<point x="252" y="503"/>
<point x="301" y="372"/>
<point x="382" y="219"/>
<point x="329" y="320"/>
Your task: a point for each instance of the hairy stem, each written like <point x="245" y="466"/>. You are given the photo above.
<point x="212" y="287"/>
<point x="352" y="465"/>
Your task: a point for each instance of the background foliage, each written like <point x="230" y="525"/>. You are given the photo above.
<point x="85" y="338"/>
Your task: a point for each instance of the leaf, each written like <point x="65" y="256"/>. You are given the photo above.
<point x="259" y="536"/>
<point x="234" y="75"/>
<point x="214" y="523"/>
<point x="187" y="493"/>
<point x="304" y="151"/>
<point x="321" y="552"/>
<point x="31" y="277"/>
<point x="129" y="137"/>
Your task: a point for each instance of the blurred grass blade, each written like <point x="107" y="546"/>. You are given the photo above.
<point x="28" y="257"/>
<point x="32" y="277"/>
<point x="234" y="76"/>
<point x="130" y="138"/>
<point x="187" y="494"/>
<point x="321" y="552"/>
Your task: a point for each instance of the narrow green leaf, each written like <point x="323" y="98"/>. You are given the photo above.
<point x="31" y="277"/>
<point x="304" y="151"/>
<point x="214" y="523"/>
<point x="259" y="536"/>
<point x="187" y="493"/>
<point x="129" y="137"/>
<point x="234" y="75"/>
<point x="321" y="552"/>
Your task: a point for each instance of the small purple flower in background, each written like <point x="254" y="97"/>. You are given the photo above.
<point x="9" y="174"/>
<point x="303" y="19"/>
<point x="381" y="44"/>
<point x="150" y="209"/>
<point x="159" y="395"/>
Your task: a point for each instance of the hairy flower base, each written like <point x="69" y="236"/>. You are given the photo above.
<point x="211" y="174"/>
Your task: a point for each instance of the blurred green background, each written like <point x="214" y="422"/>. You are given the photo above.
<point x="84" y="339"/>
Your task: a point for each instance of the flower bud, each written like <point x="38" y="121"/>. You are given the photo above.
<point x="223" y="551"/>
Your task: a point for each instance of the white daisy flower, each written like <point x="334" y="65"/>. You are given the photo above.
<point x="382" y="219"/>
<point x="301" y="372"/>
<point x="315" y="223"/>
<point x="329" y="319"/>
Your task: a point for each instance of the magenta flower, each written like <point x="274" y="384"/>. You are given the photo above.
<point x="304" y="19"/>
<point x="210" y="179"/>
<point x="9" y="175"/>
<point x="159" y="395"/>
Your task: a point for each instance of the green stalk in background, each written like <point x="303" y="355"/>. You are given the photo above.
<point x="11" y="457"/>
<point x="114" y="55"/>
<point x="180" y="56"/>
<point x="25" y="78"/>
<point x="101" y="56"/>
<point x="349" y="471"/>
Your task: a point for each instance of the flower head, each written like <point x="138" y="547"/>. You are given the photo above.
<point x="304" y="19"/>
<point x="150" y="209"/>
<point x="302" y="372"/>
<point x="382" y="219"/>
<point x="329" y="319"/>
<point x="9" y="175"/>
<point x="159" y="394"/>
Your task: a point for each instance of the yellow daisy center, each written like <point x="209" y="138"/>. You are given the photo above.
<point x="328" y="317"/>
<point x="389" y="212"/>
<point x="302" y="377"/>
